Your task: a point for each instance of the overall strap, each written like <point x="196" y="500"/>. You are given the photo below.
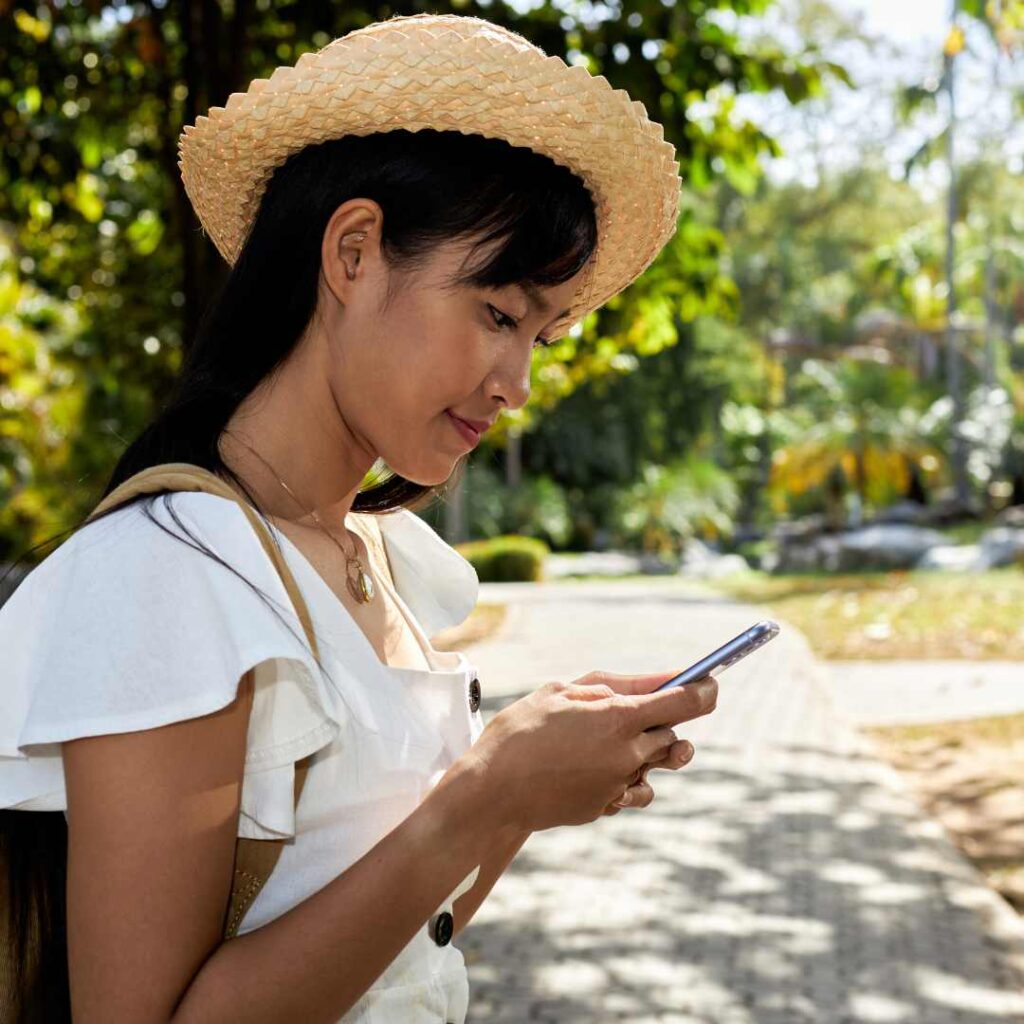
<point x="254" y="858"/>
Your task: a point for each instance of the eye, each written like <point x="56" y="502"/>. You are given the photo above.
<point x="505" y="321"/>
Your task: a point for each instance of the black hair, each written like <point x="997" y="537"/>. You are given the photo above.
<point x="432" y="187"/>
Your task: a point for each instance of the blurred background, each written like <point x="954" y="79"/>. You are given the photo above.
<point x="832" y="339"/>
<point x="813" y="401"/>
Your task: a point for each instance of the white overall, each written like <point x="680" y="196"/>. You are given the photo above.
<point x="135" y="649"/>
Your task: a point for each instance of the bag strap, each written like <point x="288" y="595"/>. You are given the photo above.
<point x="254" y="858"/>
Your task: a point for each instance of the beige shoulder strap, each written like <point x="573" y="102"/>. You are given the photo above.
<point x="254" y="858"/>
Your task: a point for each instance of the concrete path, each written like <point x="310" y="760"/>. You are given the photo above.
<point x="784" y="877"/>
<point x="904" y="692"/>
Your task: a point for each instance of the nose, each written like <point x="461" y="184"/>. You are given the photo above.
<point x="510" y="381"/>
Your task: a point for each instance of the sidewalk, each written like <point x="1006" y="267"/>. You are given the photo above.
<point x="905" y="692"/>
<point x="784" y="877"/>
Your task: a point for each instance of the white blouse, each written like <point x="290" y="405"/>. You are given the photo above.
<point x="124" y="628"/>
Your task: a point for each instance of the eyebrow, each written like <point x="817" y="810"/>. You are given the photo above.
<point x="533" y="295"/>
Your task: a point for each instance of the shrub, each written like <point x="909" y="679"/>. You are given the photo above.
<point x="539" y="508"/>
<point x="505" y="559"/>
<point x="670" y="504"/>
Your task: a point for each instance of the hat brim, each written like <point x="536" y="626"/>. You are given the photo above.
<point x="446" y="72"/>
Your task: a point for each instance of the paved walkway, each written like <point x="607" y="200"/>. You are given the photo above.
<point x="903" y="692"/>
<point x="784" y="877"/>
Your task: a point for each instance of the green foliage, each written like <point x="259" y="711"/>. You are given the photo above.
<point x="41" y="405"/>
<point x="673" y="503"/>
<point x="538" y="507"/>
<point x="755" y="551"/>
<point x="506" y="559"/>
<point x="798" y="252"/>
<point x="987" y="425"/>
<point x="93" y="97"/>
<point x="486" y="491"/>
<point x="866" y="418"/>
<point x="607" y="430"/>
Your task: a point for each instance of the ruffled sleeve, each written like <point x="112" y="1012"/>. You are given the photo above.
<point x="438" y="584"/>
<point x="125" y="627"/>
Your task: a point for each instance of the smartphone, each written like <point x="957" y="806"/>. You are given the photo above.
<point x="728" y="654"/>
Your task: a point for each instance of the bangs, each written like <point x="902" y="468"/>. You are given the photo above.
<point x="538" y="226"/>
<point x="546" y="245"/>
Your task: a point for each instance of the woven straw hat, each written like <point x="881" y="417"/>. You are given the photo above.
<point x="447" y="72"/>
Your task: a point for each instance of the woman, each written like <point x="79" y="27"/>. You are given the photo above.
<point x="388" y="288"/>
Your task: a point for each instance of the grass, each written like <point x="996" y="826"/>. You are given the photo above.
<point x="484" y="620"/>
<point x="997" y="731"/>
<point x="969" y="776"/>
<point x="966" y="533"/>
<point x="877" y="615"/>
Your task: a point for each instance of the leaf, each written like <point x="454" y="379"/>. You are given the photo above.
<point x="954" y="42"/>
<point x="37" y="28"/>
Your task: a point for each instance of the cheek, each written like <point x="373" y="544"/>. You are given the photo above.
<point x="445" y="369"/>
<point x="422" y="359"/>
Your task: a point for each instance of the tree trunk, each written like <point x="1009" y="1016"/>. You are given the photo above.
<point x="513" y="458"/>
<point x="455" y="520"/>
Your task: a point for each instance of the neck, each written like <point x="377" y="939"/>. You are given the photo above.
<point x="290" y="429"/>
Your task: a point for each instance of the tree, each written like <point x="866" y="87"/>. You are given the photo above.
<point x="859" y="415"/>
<point x="93" y="97"/>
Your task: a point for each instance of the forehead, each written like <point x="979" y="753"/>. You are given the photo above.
<point x="538" y="302"/>
<point x="452" y="258"/>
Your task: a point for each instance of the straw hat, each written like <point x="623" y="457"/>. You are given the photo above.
<point x="447" y="72"/>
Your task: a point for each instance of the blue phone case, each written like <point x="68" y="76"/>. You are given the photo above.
<point x="728" y="654"/>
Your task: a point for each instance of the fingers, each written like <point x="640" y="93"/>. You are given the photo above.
<point x="628" y="684"/>
<point x="639" y="793"/>
<point x="679" y="755"/>
<point x="654" y="744"/>
<point x="676" y="704"/>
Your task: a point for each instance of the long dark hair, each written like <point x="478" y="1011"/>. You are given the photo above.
<point x="432" y="186"/>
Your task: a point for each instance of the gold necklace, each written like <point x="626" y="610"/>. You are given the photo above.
<point x="360" y="585"/>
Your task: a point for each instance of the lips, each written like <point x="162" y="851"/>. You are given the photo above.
<point x="468" y="433"/>
<point x="478" y="425"/>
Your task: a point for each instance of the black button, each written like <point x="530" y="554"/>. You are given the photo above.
<point x="474" y="694"/>
<point x="443" y="927"/>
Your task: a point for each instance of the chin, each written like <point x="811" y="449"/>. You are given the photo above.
<point x="423" y="473"/>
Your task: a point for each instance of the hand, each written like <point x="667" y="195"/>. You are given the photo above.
<point x="639" y="793"/>
<point x="562" y="754"/>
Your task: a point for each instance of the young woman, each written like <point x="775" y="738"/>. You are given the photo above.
<point x="388" y="287"/>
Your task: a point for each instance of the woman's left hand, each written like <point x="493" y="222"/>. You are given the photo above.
<point x="640" y="793"/>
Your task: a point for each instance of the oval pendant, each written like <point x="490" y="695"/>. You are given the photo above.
<point x="361" y="587"/>
<point x="353" y="589"/>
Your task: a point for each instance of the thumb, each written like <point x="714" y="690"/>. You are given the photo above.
<point x="630" y="684"/>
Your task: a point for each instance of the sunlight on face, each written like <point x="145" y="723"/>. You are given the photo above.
<point x="435" y="348"/>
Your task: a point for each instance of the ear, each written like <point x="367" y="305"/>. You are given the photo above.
<point x="351" y="240"/>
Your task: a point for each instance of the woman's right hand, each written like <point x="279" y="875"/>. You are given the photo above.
<point x="563" y="753"/>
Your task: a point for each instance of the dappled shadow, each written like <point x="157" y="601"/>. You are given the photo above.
<point x="805" y="891"/>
